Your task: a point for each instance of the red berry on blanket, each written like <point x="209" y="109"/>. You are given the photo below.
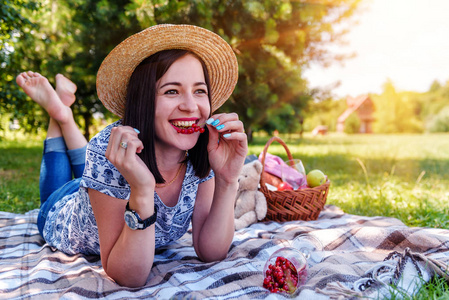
<point x="285" y="271"/>
<point x="266" y="281"/>
<point x="284" y="276"/>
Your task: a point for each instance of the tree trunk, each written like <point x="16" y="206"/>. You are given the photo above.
<point x="249" y="134"/>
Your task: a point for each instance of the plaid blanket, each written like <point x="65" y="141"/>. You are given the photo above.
<point x="372" y="257"/>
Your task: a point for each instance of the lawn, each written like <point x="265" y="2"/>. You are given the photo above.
<point x="19" y="174"/>
<point x="402" y="176"/>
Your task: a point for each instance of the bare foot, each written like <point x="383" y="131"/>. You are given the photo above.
<point x="65" y="89"/>
<point x="40" y="90"/>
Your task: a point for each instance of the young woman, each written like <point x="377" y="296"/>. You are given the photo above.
<point x="167" y="162"/>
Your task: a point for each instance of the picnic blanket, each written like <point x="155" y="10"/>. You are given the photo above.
<point x="372" y="257"/>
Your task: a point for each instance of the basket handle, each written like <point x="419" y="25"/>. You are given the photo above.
<point x="264" y="153"/>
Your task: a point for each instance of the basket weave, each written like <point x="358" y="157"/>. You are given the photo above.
<point x="303" y="204"/>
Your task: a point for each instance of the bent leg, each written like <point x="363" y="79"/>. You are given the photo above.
<point x="56" y="103"/>
<point x="73" y="136"/>
<point x="65" y="146"/>
<point x="56" y="169"/>
<point x="77" y="160"/>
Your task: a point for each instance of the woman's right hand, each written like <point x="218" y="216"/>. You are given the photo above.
<point x="127" y="162"/>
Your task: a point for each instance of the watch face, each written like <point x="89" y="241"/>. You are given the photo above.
<point x="131" y="220"/>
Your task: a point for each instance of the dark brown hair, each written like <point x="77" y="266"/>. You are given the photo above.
<point x="140" y="110"/>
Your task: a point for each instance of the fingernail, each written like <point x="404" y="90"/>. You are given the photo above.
<point x="215" y="123"/>
<point x="226" y="135"/>
<point x="137" y="130"/>
<point x="209" y="121"/>
<point x="220" y="127"/>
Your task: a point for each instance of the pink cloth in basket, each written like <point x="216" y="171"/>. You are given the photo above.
<point x="274" y="165"/>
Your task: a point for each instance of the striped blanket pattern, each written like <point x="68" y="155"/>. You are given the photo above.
<point x="363" y="257"/>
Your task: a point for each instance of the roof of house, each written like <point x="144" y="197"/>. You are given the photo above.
<point x="353" y="105"/>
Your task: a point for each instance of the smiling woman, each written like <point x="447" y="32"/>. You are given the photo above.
<point x="164" y="83"/>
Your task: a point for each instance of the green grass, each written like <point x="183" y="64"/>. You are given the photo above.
<point x="401" y="176"/>
<point x="19" y="174"/>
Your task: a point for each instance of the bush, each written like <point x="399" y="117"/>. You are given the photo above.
<point x="352" y="124"/>
<point x="440" y="122"/>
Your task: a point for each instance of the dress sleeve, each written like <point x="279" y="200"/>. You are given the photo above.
<point x="208" y="177"/>
<point x="99" y="173"/>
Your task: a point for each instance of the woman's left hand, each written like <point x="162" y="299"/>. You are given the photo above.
<point x="228" y="146"/>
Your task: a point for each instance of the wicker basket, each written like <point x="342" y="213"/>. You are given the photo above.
<point x="304" y="204"/>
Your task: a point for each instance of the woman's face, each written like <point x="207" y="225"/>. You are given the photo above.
<point x="181" y="101"/>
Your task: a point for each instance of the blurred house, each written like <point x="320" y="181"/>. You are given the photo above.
<point x="364" y="108"/>
<point x="320" y="130"/>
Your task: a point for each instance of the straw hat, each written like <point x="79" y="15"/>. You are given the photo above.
<point x="116" y="69"/>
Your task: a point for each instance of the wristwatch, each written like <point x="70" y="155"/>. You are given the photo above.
<point x="133" y="220"/>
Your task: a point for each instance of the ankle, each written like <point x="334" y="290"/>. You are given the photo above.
<point x="63" y="116"/>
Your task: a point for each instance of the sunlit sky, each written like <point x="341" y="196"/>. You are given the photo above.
<point x="406" y="41"/>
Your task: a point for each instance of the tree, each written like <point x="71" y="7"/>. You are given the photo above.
<point x="325" y="112"/>
<point x="273" y="40"/>
<point x="435" y="107"/>
<point x="69" y="37"/>
<point x="395" y="112"/>
<point x="12" y="22"/>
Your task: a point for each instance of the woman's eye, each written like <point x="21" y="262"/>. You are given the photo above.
<point x="200" y="91"/>
<point x="171" y="92"/>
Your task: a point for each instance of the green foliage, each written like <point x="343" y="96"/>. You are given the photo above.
<point x="395" y="112"/>
<point x="434" y="100"/>
<point x="324" y="112"/>
<point x="278" y="40"/>
<point x="435" y="108"/>
<point x="13" y="21"/>
<point x="352" y="124"/>
<point x="439" y="122"/>
<point x="273" y="41"/>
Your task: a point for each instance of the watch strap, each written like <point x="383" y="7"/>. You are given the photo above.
<point x="142" y="224"/>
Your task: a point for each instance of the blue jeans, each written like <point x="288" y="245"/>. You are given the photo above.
<point x="55" y="179"/>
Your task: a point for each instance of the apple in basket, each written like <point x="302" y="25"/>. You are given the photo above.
<point x="316" y="178"/>
<point x="284" y="186"/>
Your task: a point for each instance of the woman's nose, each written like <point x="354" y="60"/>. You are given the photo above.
<point x="188" y="103"/>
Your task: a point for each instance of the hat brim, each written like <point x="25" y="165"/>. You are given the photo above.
<point x="116" y="69"/>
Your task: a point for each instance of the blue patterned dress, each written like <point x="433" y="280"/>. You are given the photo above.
<point x="70" y="225"/>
